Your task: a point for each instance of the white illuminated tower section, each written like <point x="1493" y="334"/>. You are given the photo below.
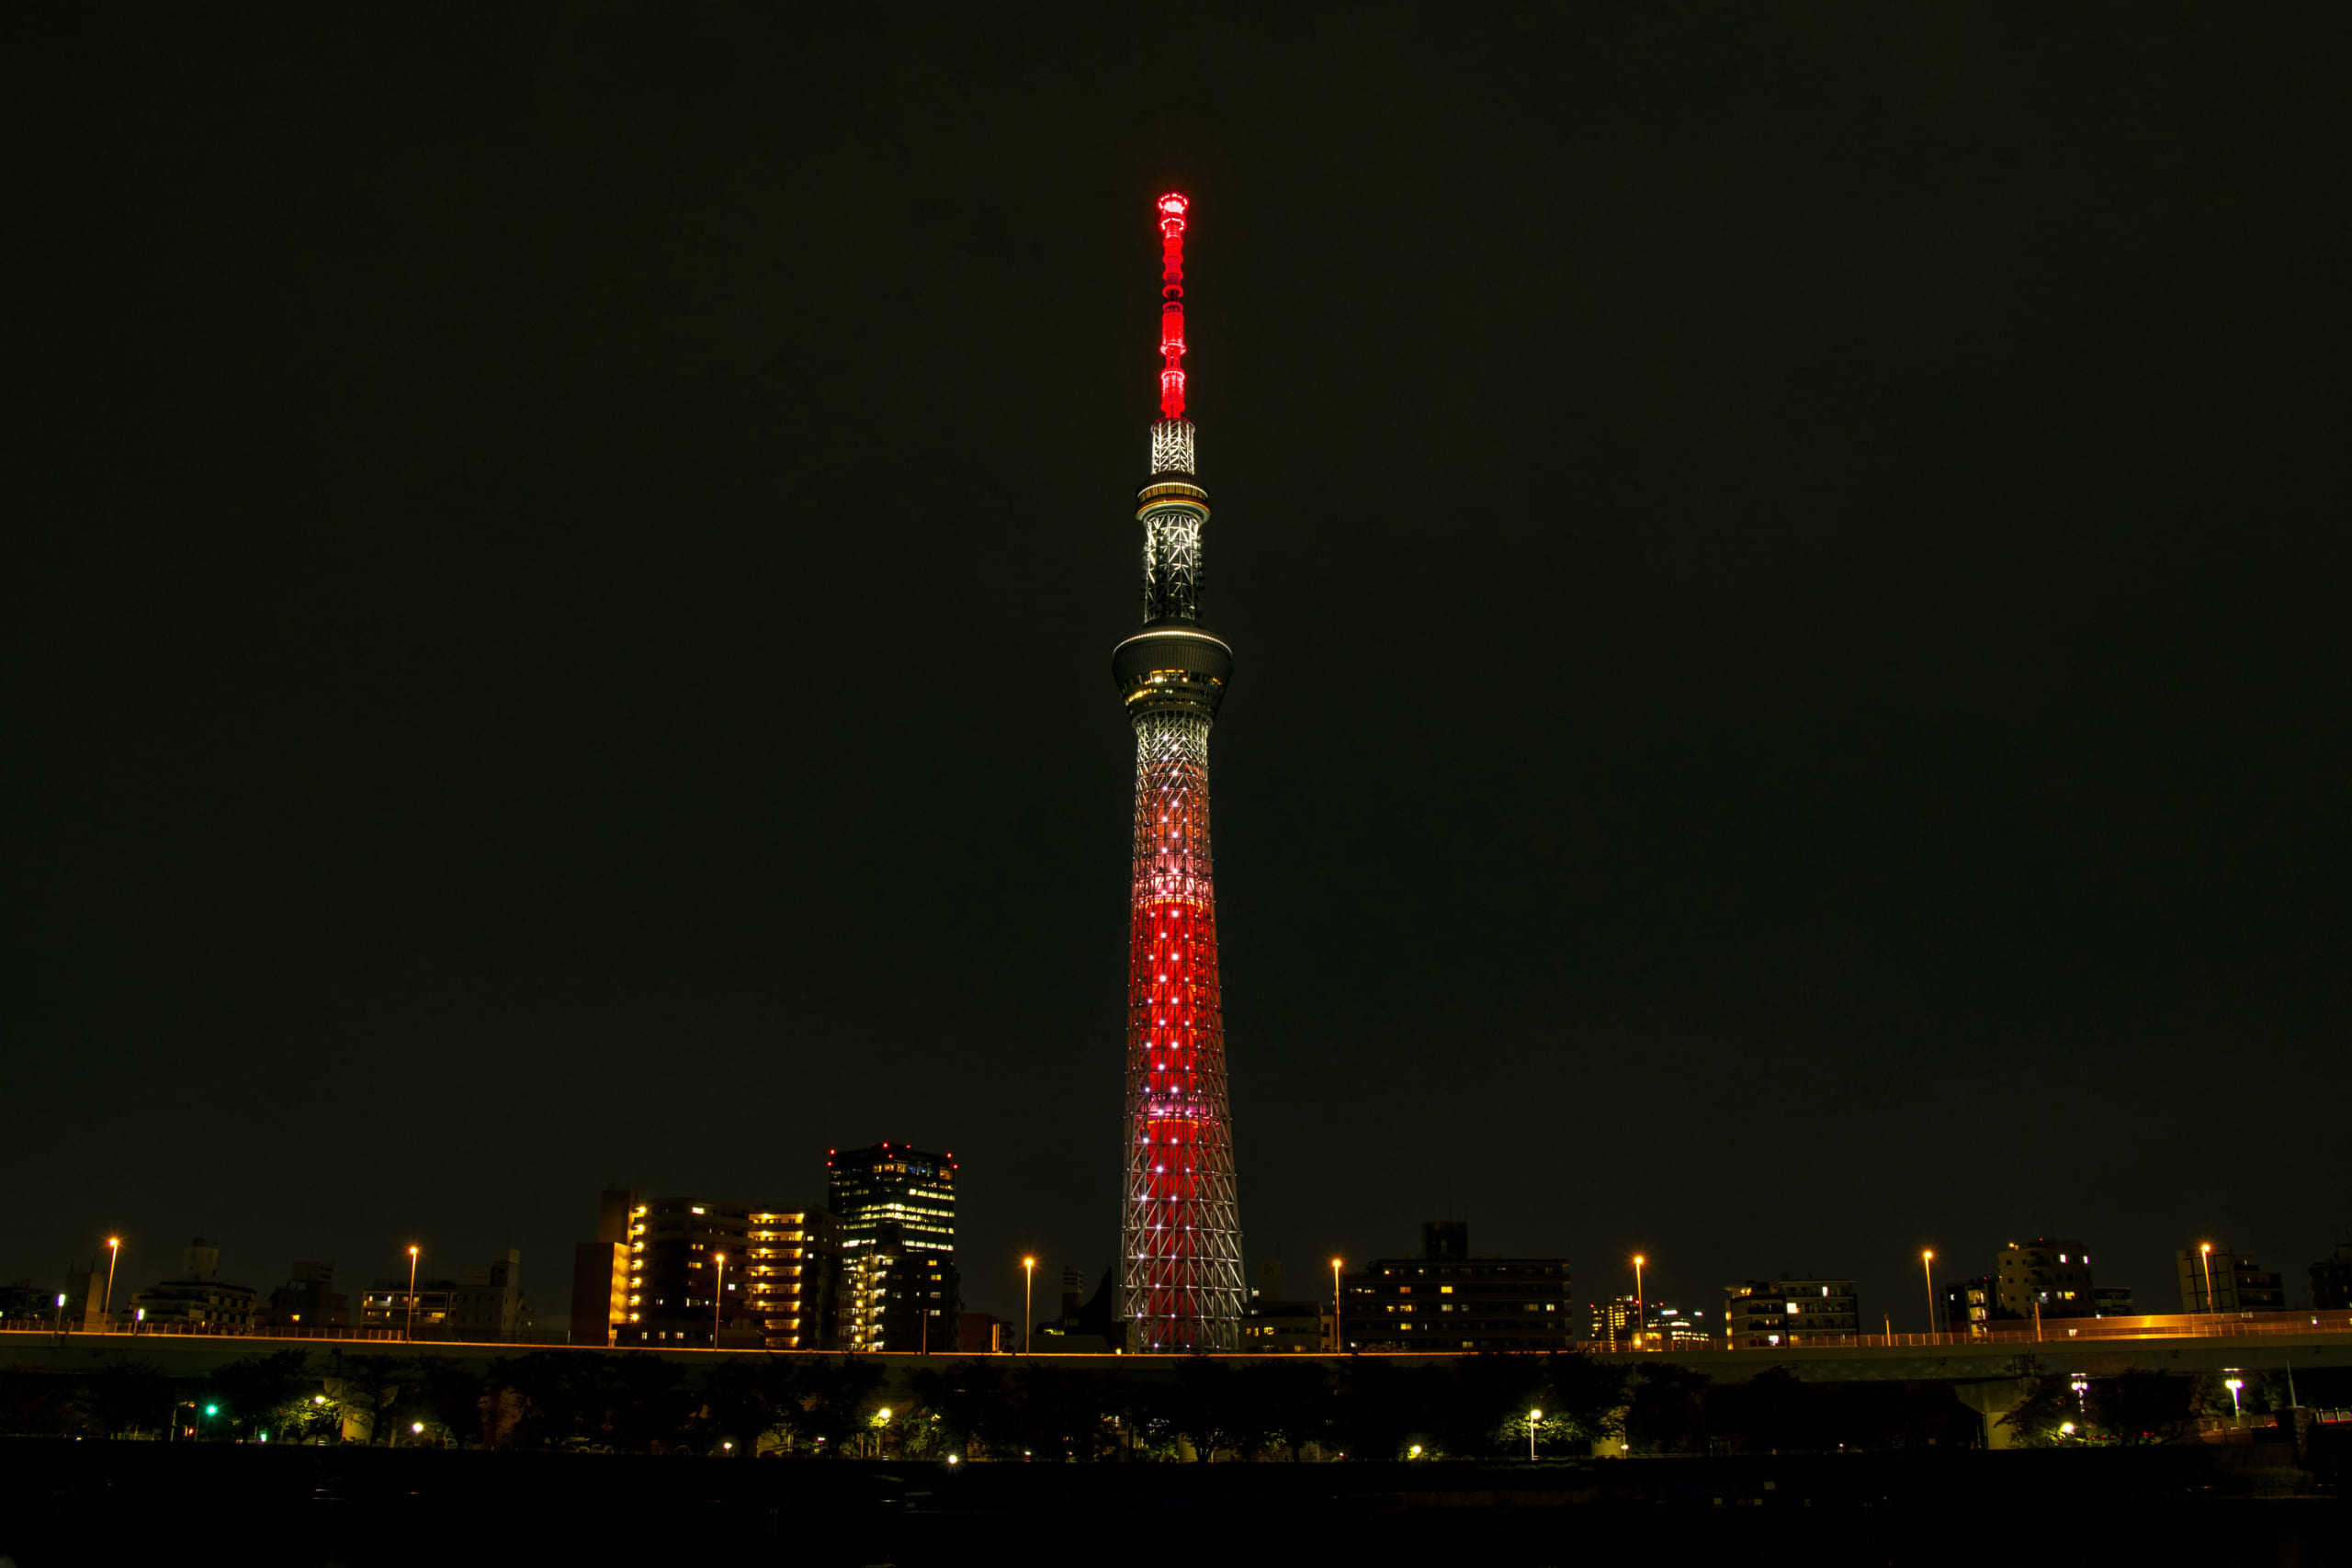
<point x="1180" y="1227"/>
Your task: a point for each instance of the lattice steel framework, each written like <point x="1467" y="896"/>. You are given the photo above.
<point x="1179" y="1225"/>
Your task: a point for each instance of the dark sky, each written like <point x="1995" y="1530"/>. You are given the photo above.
<point x="1786" y="571"/>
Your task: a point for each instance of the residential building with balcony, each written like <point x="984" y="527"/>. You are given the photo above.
<point x="1447" y="1301"/>
<point x="1763" y="1314"/>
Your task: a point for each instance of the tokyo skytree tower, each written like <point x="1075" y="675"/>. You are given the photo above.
<point x="1179" y="1226"/>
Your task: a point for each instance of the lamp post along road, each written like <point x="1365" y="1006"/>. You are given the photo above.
<point x="411" y="1293"/>
<point x="1534" y="1420"/>
<point x="114" y="1256"/>
<point x="1641" y="1319"/>
<point x="1927" y="1262"/>
<point x="718" y="1297"/>
<point x="1337" y="1344"/>
<point x="1028" y="1295"/>
<point x="2205" y="1252"/>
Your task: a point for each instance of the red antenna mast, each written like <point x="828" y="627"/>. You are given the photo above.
<point x="1172" y="207"/>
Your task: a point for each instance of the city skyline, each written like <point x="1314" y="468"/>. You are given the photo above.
<point x="1791" y="713"/>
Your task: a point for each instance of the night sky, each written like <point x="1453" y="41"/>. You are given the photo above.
<point x="1786" y="572"/>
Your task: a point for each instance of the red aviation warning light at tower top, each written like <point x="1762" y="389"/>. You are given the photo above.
<point x="1179" y="1228"/>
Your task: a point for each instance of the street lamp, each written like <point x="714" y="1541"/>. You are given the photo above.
<point x="1641" y="1320"/>
<point x="1335" y="1341"/>
<point x="114" y="1256"/>
<point x="2205" y="1252"/>
<point x="1927" y="1262"/>
<point x="1534" y="1417"/>
<point x="2233" y="1384"/>
<point x="716" y="1297"/>
<point x="1028" y="1294"/>
<point x="412" y="1292"/>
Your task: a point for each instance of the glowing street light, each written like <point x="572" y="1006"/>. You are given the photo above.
<point x="1641" y="1320"/>
<point x="1028" y="1294"/>
<point x="1927" y="1262"/>
<point x="114" y="1256"/>
<point x="412" y="1292"/>
<point x="1534" y="1420"/>
<point x="2233" y="1384"/>
<point x="717" y="1296"/>
<point x="2205" y="1252"/>
<point x="1335" y="1341"/>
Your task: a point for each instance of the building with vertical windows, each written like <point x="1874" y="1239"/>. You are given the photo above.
<point x="203" y="1303"/>
<point x="679" y="1249"/>
<point x="892" y="1184"/>
<point x="484" y="1303"/>
<point x="2052" y="1277"/>
<point x="198" y="1298"/>
<point x="307" y="1301"/>
<point x="1613" y="1322"/>
<point x="1763" y="1314"/>
<point x="792" y="1279"/>
<point x="1671" y="1328"/>
<point x="600" y="1272"/>
<point x="895" y="1205"/>
<point x="703" y="1271"/>
<point x="2238" y="1283"/>
<point x="1447" y="1301"/>
<point x="1972" y="1306"/>
<point x="2331" y="1280"/>
<point x="1630" y="1323"/>
<point x="1269" y="1326"/>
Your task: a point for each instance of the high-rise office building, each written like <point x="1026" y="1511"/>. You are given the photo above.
<point x="1629" y="1323"/>
<point x="1179" y="1225"/>
<point x="896" y="1208"/>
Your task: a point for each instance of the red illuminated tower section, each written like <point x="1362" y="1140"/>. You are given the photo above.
<point x="1181" y="1257"/>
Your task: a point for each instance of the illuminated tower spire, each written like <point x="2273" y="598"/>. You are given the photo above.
<point x="1180" y="1227"/>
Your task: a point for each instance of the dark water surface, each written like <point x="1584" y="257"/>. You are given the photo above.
<point x="64" y="1502"/>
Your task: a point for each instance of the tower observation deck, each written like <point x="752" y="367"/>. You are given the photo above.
<point x="1179" y="1226"/>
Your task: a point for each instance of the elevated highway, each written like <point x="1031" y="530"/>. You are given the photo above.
<point x="2097" y="1348"/>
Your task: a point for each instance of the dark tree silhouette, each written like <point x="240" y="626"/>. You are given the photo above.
<point x="1668" y="1413"/>
<point x="257" y="1389"/>
<point x="2137" y="1408"/>
<point x="744" y="1402"/>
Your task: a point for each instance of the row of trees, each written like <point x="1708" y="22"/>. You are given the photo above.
<point x="1281" y="1409"/>
<point x="2135" y="1407"/>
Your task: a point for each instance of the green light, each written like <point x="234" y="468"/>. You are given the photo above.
<point x="212" y="1410"/>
